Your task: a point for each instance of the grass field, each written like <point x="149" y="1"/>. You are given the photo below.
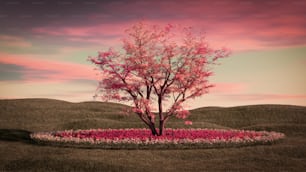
<point x="18" y="118"/>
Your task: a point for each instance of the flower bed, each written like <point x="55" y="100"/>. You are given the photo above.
<point x="142" y="138"/>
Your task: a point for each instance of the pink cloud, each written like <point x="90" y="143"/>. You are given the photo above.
<point x="221" y="88"/>
<point x="238" y="24"/>
<point x="265" y="97"/>
<point x="97" y="41"/>
<point x="239" y="35"/>
<point x="37" y="70"/>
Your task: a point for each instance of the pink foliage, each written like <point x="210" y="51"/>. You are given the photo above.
<point x="155" y="66"/>
<point x="188" y="122"/>
<point x="182" y="114"/>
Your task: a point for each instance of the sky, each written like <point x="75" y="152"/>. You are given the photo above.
<point x="44" y="45"/>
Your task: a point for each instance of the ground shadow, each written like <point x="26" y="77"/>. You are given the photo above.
<point x="15" y="135"/>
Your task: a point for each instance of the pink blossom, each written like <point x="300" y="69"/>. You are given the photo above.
<point x="188" y="122"/>
<point x="171" y="136"/>
<point x="182" y="114"/>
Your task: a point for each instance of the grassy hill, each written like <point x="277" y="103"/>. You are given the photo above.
<point x="20" y="117"/>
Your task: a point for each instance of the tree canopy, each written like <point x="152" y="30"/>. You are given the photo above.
<point x="157" y="64"/>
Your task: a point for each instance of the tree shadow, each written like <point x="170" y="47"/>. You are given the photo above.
<point x="15" y="135"/>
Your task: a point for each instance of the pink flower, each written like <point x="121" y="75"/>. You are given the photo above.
<point x="144" y="136"/>
<point x="188" y="122"/>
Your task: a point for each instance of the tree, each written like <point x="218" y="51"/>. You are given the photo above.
<point x="157" y="65"/>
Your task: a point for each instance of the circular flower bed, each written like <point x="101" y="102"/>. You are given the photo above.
<point x="142" y="138"/>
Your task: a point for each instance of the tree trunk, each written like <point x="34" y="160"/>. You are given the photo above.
<point x="161" y="127"/>
<point x="153" y="129"/>
<point x="161" y="116"/>
<point x="150" y="124"/>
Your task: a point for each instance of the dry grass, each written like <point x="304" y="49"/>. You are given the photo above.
<point x="20" y="117"/>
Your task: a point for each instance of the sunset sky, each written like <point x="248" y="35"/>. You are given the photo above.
<point x="44" y="45"/>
